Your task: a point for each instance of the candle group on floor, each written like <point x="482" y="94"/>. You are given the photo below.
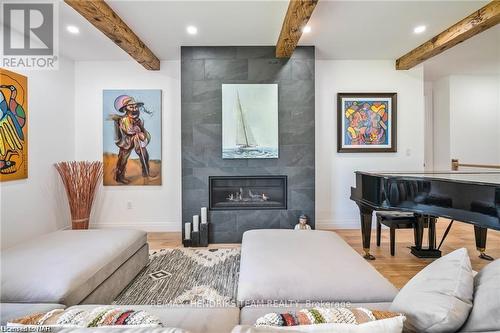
<point x="195" y="223"/>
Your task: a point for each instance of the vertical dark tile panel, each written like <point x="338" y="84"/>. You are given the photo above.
<point x="203" y="71"/>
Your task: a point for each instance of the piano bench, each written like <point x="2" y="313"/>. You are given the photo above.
<point x="394" y="220"/>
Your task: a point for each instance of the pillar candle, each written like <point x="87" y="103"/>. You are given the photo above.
<point x="187" y="230"/>
<point x="196" y="222"/>
<point x="204" y="215"/>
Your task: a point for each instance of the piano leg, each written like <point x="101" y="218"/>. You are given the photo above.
<point x="418" y="250"/>
<point x="418" y="231"/>
<point x="432" y="232"/>
<point x="481" y="235"/>
<point x="366" y="229"/>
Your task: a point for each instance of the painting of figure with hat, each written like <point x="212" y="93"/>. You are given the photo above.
<point x="132" y="137"/>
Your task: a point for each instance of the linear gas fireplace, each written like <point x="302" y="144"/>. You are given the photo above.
<point x="247" y="192"/>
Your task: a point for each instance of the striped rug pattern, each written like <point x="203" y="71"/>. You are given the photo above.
<point x="186" y="276"/>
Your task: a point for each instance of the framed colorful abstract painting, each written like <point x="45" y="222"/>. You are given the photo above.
<point x="366" y="122"/>
<point x="13" y="126"/>
<point x="132" y="137"/>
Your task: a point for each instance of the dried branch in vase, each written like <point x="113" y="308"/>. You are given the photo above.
<point x="80" y="180"/>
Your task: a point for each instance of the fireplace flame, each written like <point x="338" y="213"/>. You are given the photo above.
<point x="240" y="196"/>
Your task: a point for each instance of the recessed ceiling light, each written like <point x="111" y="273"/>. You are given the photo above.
<point x="192" y="30"/>
<point x="419" y="29"/>
<point x="73" y="29"/>
<point x="306" y="29"/>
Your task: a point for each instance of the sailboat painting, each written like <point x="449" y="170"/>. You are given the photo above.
<point x="249" y="121"/>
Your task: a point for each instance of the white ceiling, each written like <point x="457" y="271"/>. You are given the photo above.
<point x="479" y="55"/>
<point x="379" y="29"/>
<point x="340" y="29"/>
<point x="162" y="26"/>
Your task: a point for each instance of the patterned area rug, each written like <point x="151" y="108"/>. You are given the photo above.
<point x="186" y="276"/>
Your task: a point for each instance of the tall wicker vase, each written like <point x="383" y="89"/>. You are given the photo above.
<point x="80" y="180"/>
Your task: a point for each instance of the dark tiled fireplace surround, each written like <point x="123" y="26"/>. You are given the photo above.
<point x="203" y="71"/>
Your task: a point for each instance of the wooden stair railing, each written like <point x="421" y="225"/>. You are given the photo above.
<point x="455" y="164"/>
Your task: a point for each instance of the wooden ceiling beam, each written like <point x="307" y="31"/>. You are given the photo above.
<point x="296" y="18"/>
<point x="100" y="15"/>
<point x="475" y="23"/>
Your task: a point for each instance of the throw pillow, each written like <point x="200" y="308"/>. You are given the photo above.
<point x="485" y="314"/>
<point x="320" y="315"/>
<point x="98" y="317"/>
<point x="389" y="325"/>
<point x="438" y="298"/>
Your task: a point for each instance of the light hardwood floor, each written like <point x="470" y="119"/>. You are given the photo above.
<point x="398" y="269"/>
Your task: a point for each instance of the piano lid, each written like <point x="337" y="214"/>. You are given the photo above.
<point x="479" y="178"/>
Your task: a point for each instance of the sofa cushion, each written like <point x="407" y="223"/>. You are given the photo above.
<point x="10" y="311"/>
<point x="65" y="266"/>
<point x="439" y="297"/>
<point x="190" y="318"/>
<point x="306" y="266"/>
<point x="485" y="314"/>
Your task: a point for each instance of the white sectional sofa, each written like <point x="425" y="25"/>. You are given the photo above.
<point x="280" y="271"/>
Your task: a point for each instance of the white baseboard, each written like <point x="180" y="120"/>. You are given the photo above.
<point x="340" y="224"/>
<point x="176" y="227"/>
<point x="148" y="227"/>
<point x="337" y="224"/>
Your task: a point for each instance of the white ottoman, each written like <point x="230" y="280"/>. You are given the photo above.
<point x="306" y="266"/>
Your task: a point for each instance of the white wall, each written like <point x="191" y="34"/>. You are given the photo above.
<point x="37" y="205"/>
<point x="154" y="208"/>
<point x="335" y="171"/>
<point x="466" y="120"/>
<point x="475" y="119"/>
<point x="441" y="114"/>
<point x="428" y="127"/>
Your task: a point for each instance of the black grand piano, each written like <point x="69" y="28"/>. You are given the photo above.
<point x="469" y="197"/>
